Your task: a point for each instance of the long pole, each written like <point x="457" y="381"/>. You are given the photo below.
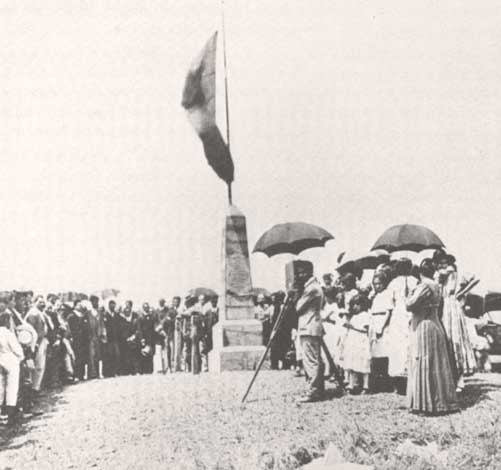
<point x="277" y="325"/>
<point x="226" y="93"/>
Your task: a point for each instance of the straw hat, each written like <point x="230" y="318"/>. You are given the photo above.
<point x="26" y="335"/>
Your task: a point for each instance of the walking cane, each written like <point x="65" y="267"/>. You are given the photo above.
<point x="276" y="326"/>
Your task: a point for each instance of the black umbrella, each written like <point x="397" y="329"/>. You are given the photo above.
<point x="408" y="237"/>
<point x="205" y="291"/>
<point x="292" y="237"/>
<point x="369" y="261"/>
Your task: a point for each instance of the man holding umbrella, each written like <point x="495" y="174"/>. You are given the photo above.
<point x="310" y="330"/>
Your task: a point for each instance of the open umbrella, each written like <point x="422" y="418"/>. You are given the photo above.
<point x="408" y="237"/>
<point x="205" y="291"/>
<point x="292" y="237"/>
<point x="368" y="261"/>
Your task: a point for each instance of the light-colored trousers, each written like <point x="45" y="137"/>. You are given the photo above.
<point x="312" y="361"/>
<point x="9" y="383"/>
<point x="40" y="359"/>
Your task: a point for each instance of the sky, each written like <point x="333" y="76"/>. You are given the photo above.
<point x="355" y="116"/>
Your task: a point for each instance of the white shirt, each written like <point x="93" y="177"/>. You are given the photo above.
<point x="11" y="352"/>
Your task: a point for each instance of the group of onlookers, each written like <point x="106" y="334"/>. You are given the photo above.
<point x="407" y="330"/>
<point x="45" y="342"/>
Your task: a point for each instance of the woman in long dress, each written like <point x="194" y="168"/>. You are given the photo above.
<point x="397" y="334"/>
<point x="454" y="321"/>
<point x="430" y="387"/>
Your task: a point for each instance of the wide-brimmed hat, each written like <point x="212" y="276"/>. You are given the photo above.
<point x="26" y="335"/>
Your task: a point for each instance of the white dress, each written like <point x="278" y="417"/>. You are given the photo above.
<point x="397" y="332"/>
<point x="333" y="332"/>
<point x="357" y="354"/>
<point x="382" y="304"/>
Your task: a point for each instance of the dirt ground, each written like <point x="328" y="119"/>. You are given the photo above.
<point x="197" y="422"/>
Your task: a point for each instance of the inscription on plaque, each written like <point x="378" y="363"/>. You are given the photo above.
<point x="237" y="273"/>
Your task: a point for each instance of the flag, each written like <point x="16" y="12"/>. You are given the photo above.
<point x="199" y="100"/>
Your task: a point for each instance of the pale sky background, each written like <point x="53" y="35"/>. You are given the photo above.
<point x="353" y="115"/>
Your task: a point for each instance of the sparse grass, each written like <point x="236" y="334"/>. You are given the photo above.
<point x="187" y="422"/>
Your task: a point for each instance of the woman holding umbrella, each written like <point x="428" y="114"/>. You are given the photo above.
<point x="430" y="388"/>
<point x="454" y="320"/>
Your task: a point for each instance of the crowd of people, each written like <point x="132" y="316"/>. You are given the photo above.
<point x="406" y="330"/>
<point x="45" y="342"/>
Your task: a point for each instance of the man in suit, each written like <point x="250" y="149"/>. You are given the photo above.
<point x="111" y="353"/>
<point x="36" y="317"/>
<point x="310" y="330"/>
<point x="79" y="334"/>
<point x="146" y="336"/>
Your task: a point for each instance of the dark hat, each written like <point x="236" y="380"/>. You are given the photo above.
<point x="303" y="266"/>
<point x="450" y="259"/>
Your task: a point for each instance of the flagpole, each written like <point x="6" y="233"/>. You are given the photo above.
<point x="226" y="94"/>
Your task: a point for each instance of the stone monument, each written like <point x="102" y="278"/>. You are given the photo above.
<point x="237" y="337"/>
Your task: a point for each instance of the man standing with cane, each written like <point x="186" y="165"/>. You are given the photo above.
<point x="310" y="330"/>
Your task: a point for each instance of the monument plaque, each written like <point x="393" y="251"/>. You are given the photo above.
<point x="238" y="337"/>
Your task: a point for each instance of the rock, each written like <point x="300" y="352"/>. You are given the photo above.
<point x="266" y="461"/>
<point x="302" y="455"/>
<point x="333" y="455"/>
<point x="428" y="452"/>
<point x="333" y="460"/>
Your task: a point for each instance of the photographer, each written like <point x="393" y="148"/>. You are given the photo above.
<point x="310" y="330"/>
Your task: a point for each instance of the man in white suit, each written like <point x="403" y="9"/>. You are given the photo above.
<point x="310" y="330"/>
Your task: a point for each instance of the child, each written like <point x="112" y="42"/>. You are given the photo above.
<point x="343" y="316"/>
<point x="357" y="357"/>
<point x="333" y="331"/>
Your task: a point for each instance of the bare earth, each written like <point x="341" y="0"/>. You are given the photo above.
<point x="196" y="422"/>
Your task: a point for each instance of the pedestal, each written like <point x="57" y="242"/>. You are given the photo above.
<point x="237" y="337"/>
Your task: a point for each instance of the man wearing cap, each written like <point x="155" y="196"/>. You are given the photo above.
<point x="310" y="330"/>
<point x="168" y="325"/>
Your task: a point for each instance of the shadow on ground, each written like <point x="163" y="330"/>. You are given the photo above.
<point x="48" y="403"/>
<point x="477" y="389"/>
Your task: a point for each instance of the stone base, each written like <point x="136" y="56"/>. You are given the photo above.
<point x="238" y="333"/>
<point x="237" y="345"/>
<point x="236" y="358"/>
